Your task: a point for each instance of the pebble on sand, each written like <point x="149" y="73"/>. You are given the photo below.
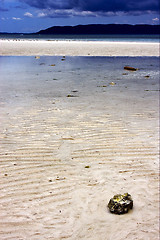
<point x="130" y="68"/>
<point x="112" y="83"/>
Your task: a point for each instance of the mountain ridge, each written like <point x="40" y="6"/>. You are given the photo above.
<point x="103" y="29"/>
<point x="97" y="29"/>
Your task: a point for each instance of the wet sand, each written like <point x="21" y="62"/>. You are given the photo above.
<point x="76" y="48"/>
<point x="74" y="133"/>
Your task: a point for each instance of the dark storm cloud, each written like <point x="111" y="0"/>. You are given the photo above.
<point x="123" y="5"/>
<point x="95" y="7"/>
<point x="52" y="4"/>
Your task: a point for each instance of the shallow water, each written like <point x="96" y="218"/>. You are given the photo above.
<point x="87" y="82"/>
<point x="28" y="77"/>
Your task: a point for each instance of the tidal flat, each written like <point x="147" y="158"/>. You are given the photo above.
<point x="75" y="131"/>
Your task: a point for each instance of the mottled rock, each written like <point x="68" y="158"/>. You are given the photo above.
<point x="120" y="204"/>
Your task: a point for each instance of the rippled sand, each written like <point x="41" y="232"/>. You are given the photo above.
<point x="56" y="120"/>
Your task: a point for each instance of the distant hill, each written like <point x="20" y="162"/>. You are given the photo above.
<point x="103" y="29"/>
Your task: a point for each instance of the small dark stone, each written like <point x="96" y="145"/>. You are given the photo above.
<point x="120" y="204"/>
<point x="130" y="68"/>
<point x="87" y="166"/>
<point x="69" y="95"/>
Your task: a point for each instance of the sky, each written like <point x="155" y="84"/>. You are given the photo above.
<point x="29" y="16"/>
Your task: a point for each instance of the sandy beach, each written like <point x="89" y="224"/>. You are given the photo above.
<point x="75" y="131"/>
<point x="76" y="48"/>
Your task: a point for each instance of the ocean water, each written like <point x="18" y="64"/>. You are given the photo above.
<point x="112" y="38"/>
<point x="27" y="79"/>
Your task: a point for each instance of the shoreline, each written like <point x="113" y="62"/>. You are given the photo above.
<point x="76" y="48"/>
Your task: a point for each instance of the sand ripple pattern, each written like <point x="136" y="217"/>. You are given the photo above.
<point x="46" y="191"/>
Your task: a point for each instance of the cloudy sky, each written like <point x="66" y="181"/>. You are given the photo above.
<point x="33" y="15"/>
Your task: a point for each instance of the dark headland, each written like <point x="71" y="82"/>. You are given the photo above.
<point x="103" y="29"/>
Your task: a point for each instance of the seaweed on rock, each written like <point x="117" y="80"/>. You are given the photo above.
<point x="120" y="204"/>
